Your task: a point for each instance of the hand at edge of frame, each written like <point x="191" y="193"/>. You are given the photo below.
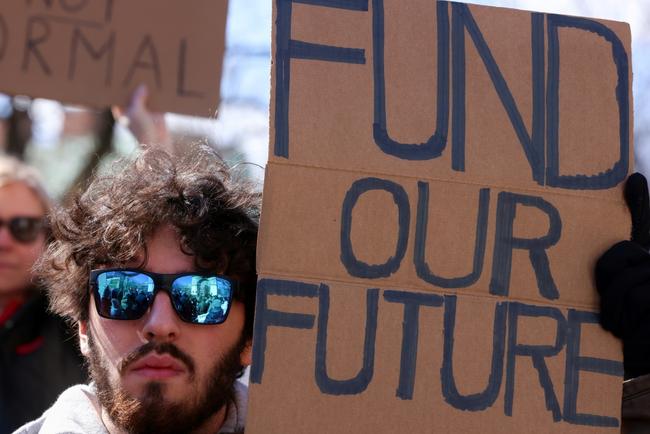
<point x="623" y="282"/>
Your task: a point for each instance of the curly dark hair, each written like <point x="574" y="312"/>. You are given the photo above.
<point x="216" y="213"/>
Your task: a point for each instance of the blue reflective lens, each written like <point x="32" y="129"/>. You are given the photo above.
<point x="123" y="294"/>
<point x="202" y="300"/>
<point x="127" y="294"/>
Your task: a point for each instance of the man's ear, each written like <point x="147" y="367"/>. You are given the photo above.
<point x="246" y="356"/>
<point x="83" y="338"/>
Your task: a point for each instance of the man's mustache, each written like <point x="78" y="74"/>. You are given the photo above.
<point x="159" y="348"/>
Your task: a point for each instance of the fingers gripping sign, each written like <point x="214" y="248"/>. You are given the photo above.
<point x="636" y="197"/>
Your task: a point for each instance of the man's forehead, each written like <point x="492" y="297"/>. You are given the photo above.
<point x="164" y="253"/>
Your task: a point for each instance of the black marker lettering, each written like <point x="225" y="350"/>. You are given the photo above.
<point x="532" y="144"/>
<point x="421" y="266"/>
<point x="108" y="50"/>
<point x="538" y="354"/>
<point x="73" y="5"/>
<point x="287" y="48"/>
<point x="47" y="3"/>
<point x="355" y="266"/>
<point x="4" y="37"/>
<point x="410" y="329"/>
<point x="265" y="317"/>
<point x="481" y="400"/>
<point x="359" y="382"/>
<point x="146" y="58"/>
<point x="182" y="64"/>
<point x="576" y="363"/>
<point x="108" y="12"/>
<point x="436" y="143"/>
<point x="506" y="242"/>
<point x="617" y="173"/>
<point x="38" y="31"/>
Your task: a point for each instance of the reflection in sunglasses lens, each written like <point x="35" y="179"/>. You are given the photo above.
<point x="124" y="294"/>
<point x="201" y="300"/>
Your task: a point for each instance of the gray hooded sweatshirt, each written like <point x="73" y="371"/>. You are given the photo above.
<point x="77" y="411"/>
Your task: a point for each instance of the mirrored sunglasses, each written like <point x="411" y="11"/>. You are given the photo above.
<point x="24" y="229"/>
<point x="127" y="294"/>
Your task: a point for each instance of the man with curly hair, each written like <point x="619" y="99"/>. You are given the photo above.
<point x="132" y="260"/>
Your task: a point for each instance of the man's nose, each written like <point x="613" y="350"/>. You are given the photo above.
<point x="161" y="321"/>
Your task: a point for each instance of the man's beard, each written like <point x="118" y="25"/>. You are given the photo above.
<point x="152" y="413"/>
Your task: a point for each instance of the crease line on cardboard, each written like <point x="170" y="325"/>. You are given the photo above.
<point x="262" y="274"/>
<point x="547" y="191"/>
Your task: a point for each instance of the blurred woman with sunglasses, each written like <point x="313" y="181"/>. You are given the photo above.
<point x="38" y="359"/>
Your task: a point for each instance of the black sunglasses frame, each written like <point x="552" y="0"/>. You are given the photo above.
<point x="161" y="282"/>
<point x="38" y="226"/>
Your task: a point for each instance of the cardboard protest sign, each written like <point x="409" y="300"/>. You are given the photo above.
<point x="96" y="52"/>
<point x="442" y="179"/>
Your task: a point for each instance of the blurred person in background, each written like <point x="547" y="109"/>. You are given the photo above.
<point x="38" y="358"/>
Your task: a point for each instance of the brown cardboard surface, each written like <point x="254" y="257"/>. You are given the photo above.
<point x="289" y="400"/>
<point x="404" y="292"/>
<point x="302" y="202"/>
<point x="494" y="156"/>
<point x="96" y="52"/>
